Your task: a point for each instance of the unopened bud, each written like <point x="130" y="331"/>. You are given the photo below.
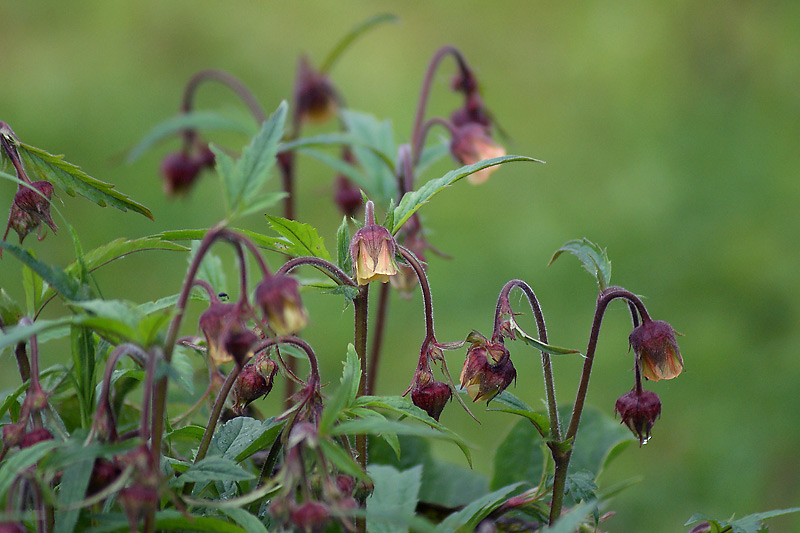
<point x="372" y="249"/>
<point x="309" y="515"/>
<point x="639" y="411"/>
<point x="179" y="171"/>
<point x="431" y="397"/>
<point x="314" y="94"/>
<point x="35" y="437"/>
<point x="654" y="343"/>
<point x="487" y="370"/>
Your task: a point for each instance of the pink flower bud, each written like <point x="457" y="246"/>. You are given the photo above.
<point x="432" y="397"/>
<point x="253" y="382"/>
<point x="639" y="412"/>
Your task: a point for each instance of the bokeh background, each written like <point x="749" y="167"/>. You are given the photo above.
<point x="670" y="131"/>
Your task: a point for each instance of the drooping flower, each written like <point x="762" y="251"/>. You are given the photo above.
<point x="431" y="397"/>
<point x="471" y="144"/>
<point x="314" y="95"/>
<point x="279" y="298"/>
<point x="488" y="370"/>
<point x="226" y="332"/>
<point x="372" y="249"/>
<point x="639" y="411"/>
<point x="30" y="208"/>
<point x="179" y="171"/>
<point x="654" y="343"/>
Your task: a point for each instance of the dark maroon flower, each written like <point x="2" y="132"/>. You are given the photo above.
<point x="137" y="501"/>
<point x="13" y="527"/>
<point x="309" y="515"/>
<point x="104" y="473"/>
<point x="488" y="370"/>
<point x="654" y="344"/>
<point x="639" y="411"/>
<point x="314" y="95"/>
<point x="35" y="437"/>
<point x="432" y="397"/>
<point x="30" y="208"/>
<point x="179" y="171"/>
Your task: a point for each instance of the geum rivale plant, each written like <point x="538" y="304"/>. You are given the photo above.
<point x="107" y="440"/>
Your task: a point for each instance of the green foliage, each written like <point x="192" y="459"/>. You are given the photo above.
<point x="196" y="120"/>
<point x="42" y="165"/>
<point x="242" y="180"/>
<point x="595" y="259"/>
<point x="395" y="495"/>
<point x="413" y="200"/>
<point x="299" y="239"/>
<point x="752" y="523"/>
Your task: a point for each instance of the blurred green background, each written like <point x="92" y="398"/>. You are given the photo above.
<point x="670" y="131"/>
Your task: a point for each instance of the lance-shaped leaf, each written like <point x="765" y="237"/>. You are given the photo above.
<point x="516" y="406"/>
<point x="468" y="518"/>
<point x="413" y="200"/>
<point x="195" y="120"/>
<point x="46" y="166"/>
<point x="541" y="346"/>
<point x="242" y="180"/>
<point x="595" y="259"/>
<point x="66" y="285"/>
<point x="299" y="239"/>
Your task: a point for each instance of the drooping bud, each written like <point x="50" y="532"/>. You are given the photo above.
<point x="137" y="501"/>
<point x="488" y="370"/>
<point x="372" y="249"/>
<point x="639" y="411"/>
<point x="314" y="95"/>
<point x="30" y="208"/>
<point x="226" y="333"/>
<point x="472" y="112"/>
<point x="431" y="397"/>
<point x="253" y="382"/>
<point x="471" y="144"/>
<point x="309" y="515"/>
<point x="654" y="343"/>
<point x="12" y="433"/>
<point x="104" y="473"/>
<point x="347" y="196"/>
<point x="35" y="437"/>
<point x="279" y="298"/>
<point x="179" y="171"/>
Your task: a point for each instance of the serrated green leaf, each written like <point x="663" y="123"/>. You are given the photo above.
<point x="10" y="310"/>
<point x="595" y="259"/>
<point x="196" y="120"/>
<point x="404" y="407"/>
<point x="242" y="436"/>
<point x="342" y="460"/>
<point x="601" y="440"/>
<point x="300" y="239"/>
<point x="468" y="518"/>
<point x="752" y="523"/>
<point x="581" y="486"/>
<point x="396" y="494"/>
<point x="122" y="321"/>
<point x="116" y="249"/>
<point x="250" y="172"/>
<point x="346" y="394"/>
<point x="46" y="166"/>
<point x="375" y="152"/>
<point x="66" y="285"/>
<point x="213" y="468"/>
<point x="413" y="200"/>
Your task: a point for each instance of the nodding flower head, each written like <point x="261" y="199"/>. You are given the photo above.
<point x="372" y="249"/>
<point x="654" y="343"/>
<point x="30" y="208"/>
<point x="471" y="144"/>
<point x="430" y="395"/>
<point x="314" y="95"/>
<point x="279" y="298"/>
<point x="639" y="411"/>
<point x="227" y="336"/>
<point x="253" y="382"/>
<point x="488" y="370"/>
<point x="179" y="171"/>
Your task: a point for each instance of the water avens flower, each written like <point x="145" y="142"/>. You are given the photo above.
<point x="279" y="298"/>
<point x="471" y="144"/>
<point x="654" y="343"/>
<point x="639" y="410"/>
<point x="372" y="249"/>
